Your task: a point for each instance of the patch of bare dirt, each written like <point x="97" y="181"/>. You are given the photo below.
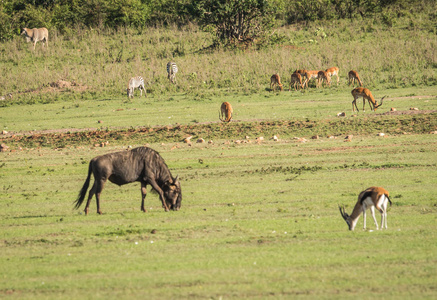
<point x="57" y="86"/>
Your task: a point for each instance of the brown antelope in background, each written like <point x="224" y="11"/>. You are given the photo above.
<point x="370" y="198"/>
<point x="302" y="73"/>
<point x="352" y="76"/>
<point x="225" y="114"/>
<point x="333" y="71"/>
<point x="135" y="83"/>
<point x="275" y="80"/>
<point x="323" y="76"/>
<point x="35" y="35"/>
<point x="310" y="75"/>
<point x="367" y="95"/>
<point x="296" y="79"/>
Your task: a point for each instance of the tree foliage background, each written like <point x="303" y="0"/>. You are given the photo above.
<point x="227" y="19"/>
<point x="236" y="21"/>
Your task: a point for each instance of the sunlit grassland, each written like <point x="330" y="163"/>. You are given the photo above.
<point x="257" y="221"/>
<point x="183" y="109"/>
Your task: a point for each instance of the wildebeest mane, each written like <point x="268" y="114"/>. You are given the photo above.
<point x="162" y="171"/>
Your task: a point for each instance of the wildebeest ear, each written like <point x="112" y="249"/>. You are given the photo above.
<point x="175" y="181"/>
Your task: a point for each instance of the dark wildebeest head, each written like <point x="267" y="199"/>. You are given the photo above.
<point x="141" y="164"/>
<point x="173" y="194"/>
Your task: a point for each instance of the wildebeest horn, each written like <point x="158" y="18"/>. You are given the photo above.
<point x="176" y="179"/>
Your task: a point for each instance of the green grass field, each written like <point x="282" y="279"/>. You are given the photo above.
<point x="259" y="219"/>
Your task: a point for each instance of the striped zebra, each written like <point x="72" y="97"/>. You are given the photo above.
<point x="172" y="69"/>
<point x="135" y="82"/>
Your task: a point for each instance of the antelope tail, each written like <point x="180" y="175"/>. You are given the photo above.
<point x="82" y="192"/>
<point x="389" y="200"/>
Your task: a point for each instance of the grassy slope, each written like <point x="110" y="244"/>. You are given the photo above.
<point x="103" y="62"/>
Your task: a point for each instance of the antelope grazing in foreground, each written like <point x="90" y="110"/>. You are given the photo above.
<point x="135" y="83"/>
<point x="275" y="80"/>
<point x="225" y="114"/>
<point x="370" y="198"/>
<point x="35" y="35"/>
<point x="352" y="77"/>
<point x="296" y="79"/>
<point x="172" y="69"/>
<point x="323" y="76"/>
<point x="367" y="95"/>
<point x="333" y="71"/>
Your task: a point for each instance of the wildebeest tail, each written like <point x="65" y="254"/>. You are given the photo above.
<point x="82" y="192"/>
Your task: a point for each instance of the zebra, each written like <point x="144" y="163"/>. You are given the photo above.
<point x="172" y="69"/>
<point x="135" y="82"/>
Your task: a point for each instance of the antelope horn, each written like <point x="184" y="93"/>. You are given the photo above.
<point x="381" y="101"/>
<point x="342" y="212"/>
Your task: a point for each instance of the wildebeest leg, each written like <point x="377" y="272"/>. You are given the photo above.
<point x="160" y="192"/>
<point x="90" y="196"/>
<point x="99" y="188"/>
<point x="143" y="195"/>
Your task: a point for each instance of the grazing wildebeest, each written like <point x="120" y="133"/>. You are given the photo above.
<point x="140" y="164"/>
<point x="35" y="35"/>
<point x="135" y="82"/>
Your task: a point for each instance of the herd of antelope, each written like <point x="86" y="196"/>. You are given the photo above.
<point x="301" y="78"/>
